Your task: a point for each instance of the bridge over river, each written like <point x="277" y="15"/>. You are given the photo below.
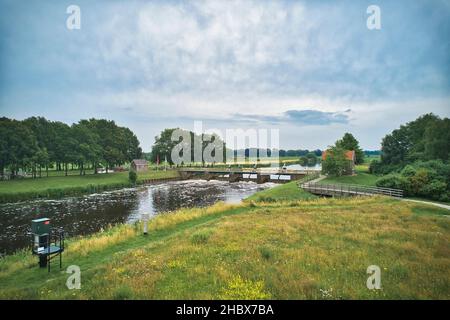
<point x="259" y="175"/>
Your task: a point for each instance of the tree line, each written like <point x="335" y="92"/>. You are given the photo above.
<point x="36" y="144"/>
<point x="162" y="148"/>
<point x="415" y="158"/>
<point x="426" y="138"/>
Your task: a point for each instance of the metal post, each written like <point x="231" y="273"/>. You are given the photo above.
<point x="144" y="218"/>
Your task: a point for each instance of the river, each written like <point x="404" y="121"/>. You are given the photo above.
<point x="88" y="214"/>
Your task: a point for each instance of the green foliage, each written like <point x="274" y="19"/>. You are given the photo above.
<point x="36" y="143"/>
<point x="428" y="179"/>
<point x="349" y="142"/>
<point x="426" y="138"/>
<point x="309" y="159"/>
<point x="132" y="176"/>
<point x="163" y="146"/>
<point x="394" y="181"/>
<point x="336" y="163"/>
<point x="303" y="161"/>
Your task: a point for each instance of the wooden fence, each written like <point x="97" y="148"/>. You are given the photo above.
<point x="349" y="190"/>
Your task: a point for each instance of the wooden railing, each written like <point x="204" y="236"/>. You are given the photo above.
<point x="349" y="190"/>
<point x="248" y="170"/>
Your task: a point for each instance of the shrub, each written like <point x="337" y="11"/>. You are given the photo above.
<point x="435" y="190"/>
<point x="132" y="176"/>
<point x="418" y="181"/>
<point x="408" y="171"/>
<point x="394" y="181"/>
<point x="377" y="167"/>
<point x="303" y="161"/>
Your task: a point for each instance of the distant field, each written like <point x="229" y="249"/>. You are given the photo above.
<point x="368" y="159"/>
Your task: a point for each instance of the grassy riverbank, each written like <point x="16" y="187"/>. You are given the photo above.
<point x="58" y="187"/>
<point x="308" y="249"/>
<point x="285" y="192"/>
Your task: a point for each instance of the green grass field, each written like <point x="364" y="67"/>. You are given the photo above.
<point x="306" y="249"/>
<point x="60" y="186"/>
<point x="284" y="192"/>
<point x="362" y="178"/>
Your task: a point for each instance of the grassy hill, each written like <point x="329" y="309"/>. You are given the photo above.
<point x="297" y="249"/>
<point x="361" y="178"/>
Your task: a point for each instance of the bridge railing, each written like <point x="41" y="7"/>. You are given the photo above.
<point x="274" y="171"/>
<point x="350" y="189"/>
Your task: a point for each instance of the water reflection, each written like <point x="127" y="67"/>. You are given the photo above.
<point x="90" y="213"/>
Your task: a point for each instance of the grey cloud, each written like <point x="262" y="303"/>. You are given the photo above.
<point x="308" y="117"/>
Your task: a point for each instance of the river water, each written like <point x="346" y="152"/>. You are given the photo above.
<point x="88" y="214"/>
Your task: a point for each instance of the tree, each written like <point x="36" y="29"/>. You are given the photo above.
<point x="336" y="163"/>
<point x="88" y="148"/>
<point x="132" y="176"/>
<point x="303" y="161"/>
<point x="162" y="148"/>
<point x="349" y="142"/>
<point x="18" y="146"/>
<point x="437" y="140"/>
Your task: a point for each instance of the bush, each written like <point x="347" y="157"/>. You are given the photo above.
<point x="394" y="181"/>
<point x="377" y="167"/>
<point x="428" y="179"/>
<point x="435" y="190"/>
<point x="303" y="161"/>
<point x="408" y="171"/>
<point x="132" y="176"/>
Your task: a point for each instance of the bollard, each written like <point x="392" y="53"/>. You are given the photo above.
<point x="144" y="218"/>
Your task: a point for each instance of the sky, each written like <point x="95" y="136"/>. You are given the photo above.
<point x="311" y="69"/>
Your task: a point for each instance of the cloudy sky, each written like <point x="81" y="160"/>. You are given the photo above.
<point x="312" y="69"/>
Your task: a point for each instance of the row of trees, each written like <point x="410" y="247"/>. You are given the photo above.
<point x="36" y="143"/>
<point x="299" y="153"/>
<point x="162" y="148"/>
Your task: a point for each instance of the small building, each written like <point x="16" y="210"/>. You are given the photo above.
<point x="139" y="165"/>
<point x="350" y="155"/>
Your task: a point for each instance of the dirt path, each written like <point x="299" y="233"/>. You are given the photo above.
<point x="430" y="203"/>
<point x="317" y="179"/>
